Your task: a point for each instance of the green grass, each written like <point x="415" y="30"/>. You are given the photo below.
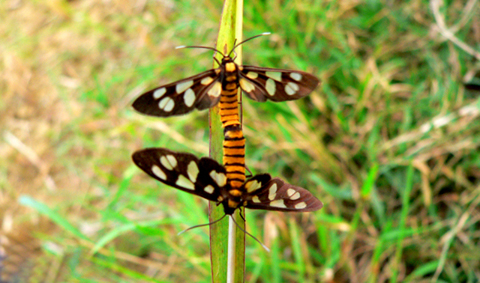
<point x="389" y="141"/>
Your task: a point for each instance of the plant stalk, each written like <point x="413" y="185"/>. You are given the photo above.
<point x="226" y="266"/>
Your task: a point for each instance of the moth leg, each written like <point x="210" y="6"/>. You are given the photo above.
<point x="241" y="215"/>
<point x="249" y="172"/>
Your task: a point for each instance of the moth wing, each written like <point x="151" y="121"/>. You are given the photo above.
<point x="261" y="84"/>
<point x="276" y="194"/>
<point x="183" y="171"/>
<point x="201" y="91"/>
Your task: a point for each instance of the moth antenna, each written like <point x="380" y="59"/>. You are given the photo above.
<point x="201" y="225"/>
<point x="200" y="47"/>
<point x="263" y="246"/>
<point x="258" y="35"/>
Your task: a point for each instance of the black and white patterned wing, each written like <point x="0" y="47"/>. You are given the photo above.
<point x="203" y="177"/>
<point x="261" y="84"/>
<point x="201" y="92"/>
<point x="276" y="194"/>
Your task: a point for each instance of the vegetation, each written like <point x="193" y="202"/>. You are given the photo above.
<point x="389" y="141"/>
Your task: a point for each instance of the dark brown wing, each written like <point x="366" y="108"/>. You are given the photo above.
<point x="261" y="84"/>
<point x="201" y="92"/>
<point x="276" y="194"/>
<point x="203" y="177"/>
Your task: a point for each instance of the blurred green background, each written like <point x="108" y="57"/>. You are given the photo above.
<point x="389" y="141"/>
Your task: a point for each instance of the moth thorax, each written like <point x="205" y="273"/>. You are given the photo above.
<point x="235" y="192"/>
<point x="231" y="77"/>
<point x="232" y="203"/>
<point x="236" y="183"/>
<point x="230" y="67"/>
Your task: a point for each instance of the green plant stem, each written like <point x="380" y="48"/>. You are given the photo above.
<point x="226" y="266"/>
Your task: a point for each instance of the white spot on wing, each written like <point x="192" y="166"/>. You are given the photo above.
<point x="270" y="86"/>
<point x="215" y="90"/>
<point x="166" y="104"/>
<point x="292" y="194"/>
<point x="209" y="189"/>
<point x="158" y="172"/>
<point x="252" y="75"/>
<point x="295" y="196"/>
<point x="192" y="171"/>
<point x="183" y="86"/>
<point x="296" y="76"/>
<point x="246" y="85"/>
<point x="206" y="80"/>
<point x="300" y="205"/>
<point x="252" y="186"/>
<point x="256" y="199"/>
<point x="169" y="105"/>
<point x="189" y="97"/>
<point x="291" y="88"/>
<point x="278" y="203"/>
<point x="272" y="191"/>
<point x="274" y="75"/>
<point x="219" y="178"/>
<point x="159" y="93"/>
<point x="172" y="160"/>
<point x="183" y="182"/>
<point x="168" y="161"/>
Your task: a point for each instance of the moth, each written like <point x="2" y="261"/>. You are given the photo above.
<point x="206" y="89"/>
<point x="206" y="178"/>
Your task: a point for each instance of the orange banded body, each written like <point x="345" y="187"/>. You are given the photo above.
<point x="229" y="112"/>
<point x="234" y="156"/>
<point x="234" y="142"/>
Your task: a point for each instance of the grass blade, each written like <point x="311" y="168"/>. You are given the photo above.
<point x="52" y="215"/>
<point x="230" y="29"/>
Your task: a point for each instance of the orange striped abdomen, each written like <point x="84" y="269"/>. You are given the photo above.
<point x="234" y="156"/>
<point x="229" y="112"/>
